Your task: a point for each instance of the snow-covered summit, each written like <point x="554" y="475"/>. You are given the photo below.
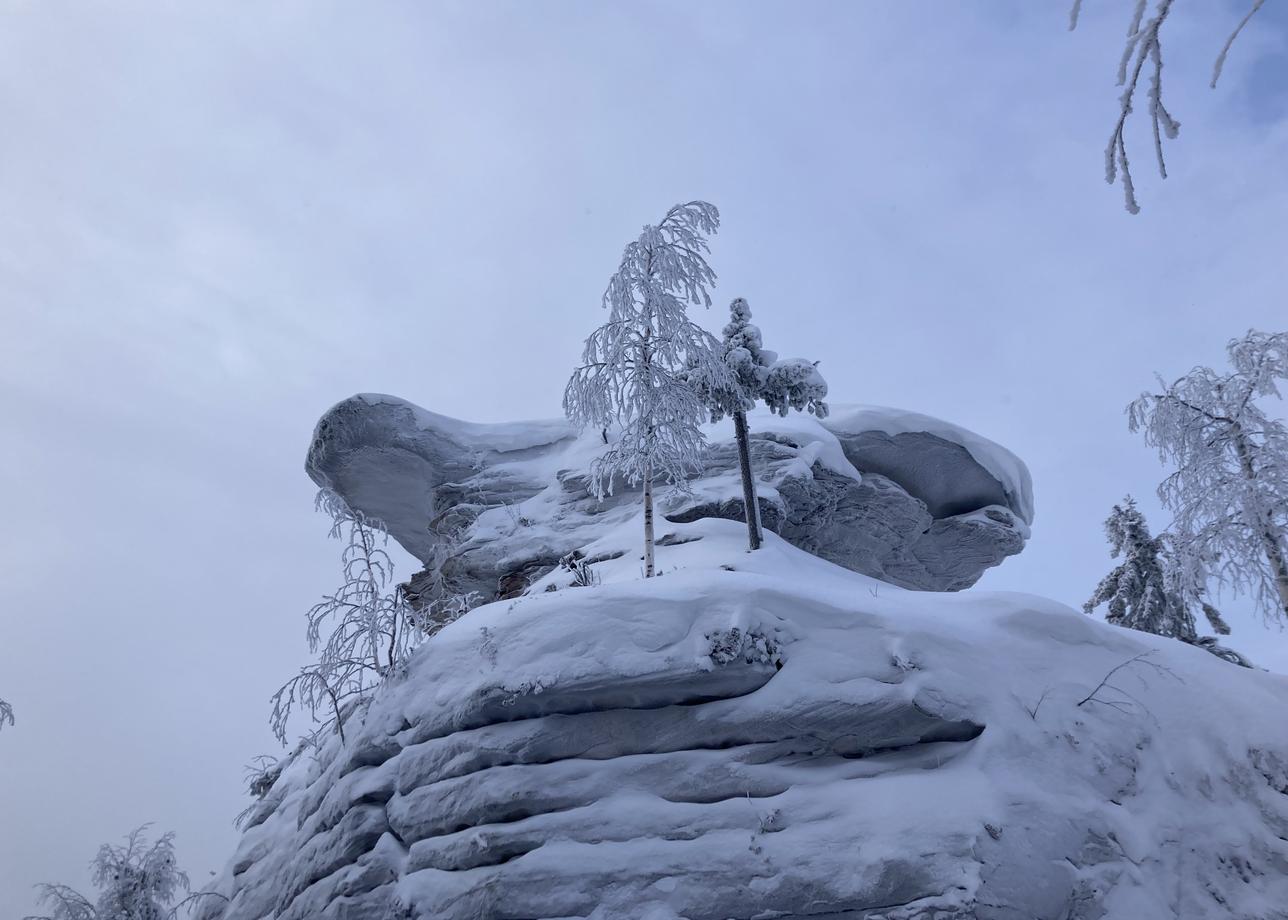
<point x="767" y="734"/>
<point x="899" y="496"/>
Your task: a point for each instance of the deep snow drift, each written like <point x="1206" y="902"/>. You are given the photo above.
<point x="903" y="497"/>
<point x="758" y="735"/>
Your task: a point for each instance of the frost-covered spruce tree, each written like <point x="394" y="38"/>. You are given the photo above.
<point x="1137" y="590"/>
<point x="1229" y="491"/>
<point x="642" y="370"/>
<point x="793" y="383"/>
<point x="136" y="881"/>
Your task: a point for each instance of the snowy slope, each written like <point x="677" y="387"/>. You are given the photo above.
<point x="770" y="735"/>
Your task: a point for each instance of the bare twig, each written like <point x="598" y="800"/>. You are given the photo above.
<point x="1120" y="705"/>
<point x="1033" y="713"/>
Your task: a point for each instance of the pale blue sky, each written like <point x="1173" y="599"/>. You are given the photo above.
<point x="217" y="220"/>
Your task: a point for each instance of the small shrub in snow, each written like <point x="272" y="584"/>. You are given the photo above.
<point x="1107" y="694"/>
<point x="732" y="644"/>
<point x="261" y="773"/>
<point x="583" y="576"/>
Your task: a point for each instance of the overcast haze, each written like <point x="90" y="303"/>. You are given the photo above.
<point x="218" y="220"/>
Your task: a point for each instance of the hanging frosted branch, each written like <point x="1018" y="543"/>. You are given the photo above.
<point x="1143" y="48"/>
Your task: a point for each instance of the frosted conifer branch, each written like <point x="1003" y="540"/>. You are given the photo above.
<point x="6" y="713"/>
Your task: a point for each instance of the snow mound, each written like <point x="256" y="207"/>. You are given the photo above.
<point x="931" y="506"/>
<point x="1007" y="470"/>
<point x="759" y="735"/>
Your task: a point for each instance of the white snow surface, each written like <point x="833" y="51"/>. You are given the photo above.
<point x="758" y="735"/>
<point x="1009" y="469"/>
<point x="503" y="437"/>
<point x="915" y="507"/>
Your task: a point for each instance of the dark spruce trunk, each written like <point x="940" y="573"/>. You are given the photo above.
<point x="751" y="508"/>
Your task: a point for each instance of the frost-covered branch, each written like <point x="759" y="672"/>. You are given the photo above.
<point x="6" y="714"/>
<point x="1143" y="48"/>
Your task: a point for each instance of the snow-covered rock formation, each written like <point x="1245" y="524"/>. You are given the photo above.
<point x="769" y="735"/>
<point x="899" y="496"/>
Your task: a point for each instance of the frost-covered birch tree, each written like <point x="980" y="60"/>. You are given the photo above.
<point x="758" y="374"/>
<point x="137" y="881"/>
<point x="363" y="632"/>
<point x="641" y="370"/>
<point x="1143" y="52"/>
<point x="1229" y="490"/>
<point x="1137" y="590"/>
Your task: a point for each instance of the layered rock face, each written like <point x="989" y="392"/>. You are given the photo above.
<point x="901" y="497"/>
<point x="768" y="736"/>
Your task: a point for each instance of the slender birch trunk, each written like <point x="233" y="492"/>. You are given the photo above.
<point x="1271" y="542"/>
<point x="648" y="522"/>
<point x="751" y="507"/>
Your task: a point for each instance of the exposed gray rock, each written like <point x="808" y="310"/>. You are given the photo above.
<point x="915" y="508"/>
